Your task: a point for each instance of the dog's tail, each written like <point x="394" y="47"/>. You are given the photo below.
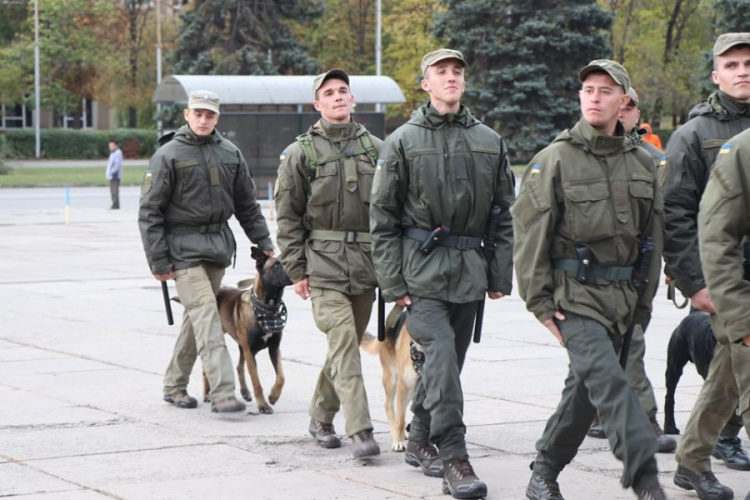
<point x="370" y="344"/>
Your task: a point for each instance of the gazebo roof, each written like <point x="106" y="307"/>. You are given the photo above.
<point x="272" y="90"/>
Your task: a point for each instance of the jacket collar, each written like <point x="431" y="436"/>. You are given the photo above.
<point x="334" y="131"/>
<point x="594" y="141"/>
<point x="721" y="106"/>
<point x="426" y="116"/>
<point x="184" y="134"/>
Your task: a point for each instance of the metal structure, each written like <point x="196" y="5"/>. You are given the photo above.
<point x="263" y="114"/>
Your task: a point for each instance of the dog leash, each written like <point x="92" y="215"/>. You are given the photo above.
<point x="672" y="295"/>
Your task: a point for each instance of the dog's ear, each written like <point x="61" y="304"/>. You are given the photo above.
<point x="259" y="256"/>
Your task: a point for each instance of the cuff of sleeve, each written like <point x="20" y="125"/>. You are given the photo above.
<point x="265" y="244"/>
<point x="545" y="315"/>
<point x="688" y="288"/>
<point x="500" y="286"/>
<point x="393" y="289"/>
<point x="161" y="267"/>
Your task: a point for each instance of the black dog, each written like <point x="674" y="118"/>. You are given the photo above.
<point x="255" y="318"/>
<point x="692" y="340"/>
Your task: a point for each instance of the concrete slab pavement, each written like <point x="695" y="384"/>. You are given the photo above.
<point x="83" y="346"/>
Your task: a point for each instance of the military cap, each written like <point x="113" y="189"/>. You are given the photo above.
<point x="440" y="55"/>
<point x="612" y="68"/>
<point x="730" y="40"/>
<point x="204" y="99"/>
<point x="634" y="97"/>
<point x="321" y="79"/>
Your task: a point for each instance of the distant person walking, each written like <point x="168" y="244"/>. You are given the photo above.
<point x="114" y="173"/>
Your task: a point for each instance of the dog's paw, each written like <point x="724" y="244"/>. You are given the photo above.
<point x="246" y="395"/>
<point x="272" y="398"/>
<point x="398" y="447"/>
<point x="671" y="429"/>
<point x="265" y="409"/>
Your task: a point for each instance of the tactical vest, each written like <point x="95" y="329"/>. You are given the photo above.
<point x="314" y="163"/>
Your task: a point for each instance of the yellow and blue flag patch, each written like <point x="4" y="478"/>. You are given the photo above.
<point x="663" y="161"/>
<point x="282" y="155"/>
<point x="379" y="165"/>
<point x="725" y="149"/>
<point x="536" y="169"/>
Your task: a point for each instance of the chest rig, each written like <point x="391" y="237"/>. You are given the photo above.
<point x="314" y="163"/>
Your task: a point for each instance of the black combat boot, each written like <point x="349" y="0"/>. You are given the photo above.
<point x="596" y="431"/>
<point x="666" y="444"/>
<point x="541" y="488"/>
<point x="324" y="434"/>
<point x="704" y="483"/>
<point x="460" y="481"/>
<point x="364" y="445"/>
<point x="729" y="449"/>
<point x="653" y="492"/>
<point x="426" y="456"/>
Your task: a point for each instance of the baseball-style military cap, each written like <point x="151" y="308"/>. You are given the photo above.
<point x="730" y="40"/>
<point x="634" y="97"/>
<point x="321" y="79"/>
<point x="612" y="68"/>
<point x="440" y="55"/>
<point x="204" y="99"/>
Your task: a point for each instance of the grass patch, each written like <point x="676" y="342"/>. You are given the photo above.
<point x="67" y="176"/>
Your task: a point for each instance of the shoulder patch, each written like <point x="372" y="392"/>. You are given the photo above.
<point x="726" y="148"/>
<point x="379" y="165"/>
<point x="536" y="169"/>
<point x="663" y="161"/>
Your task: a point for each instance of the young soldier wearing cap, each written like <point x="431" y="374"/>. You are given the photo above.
<point x="195" y="182"/>
<point x="691" y="152"/>
<point x="636" y="370"/>
<point x="723" y="228"/>
<point x="322" y="196"/>
<point x="586" y="202"/>
<point x="442" y="171"/>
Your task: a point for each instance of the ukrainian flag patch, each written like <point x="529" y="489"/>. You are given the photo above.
<point x="282" y="155"/>
<point x="149" y="173"/>
<point x="726" y="148"/>
<point x="379" y="165"/>
<point x="663" y="161"/>
<point x="536" y="169"/>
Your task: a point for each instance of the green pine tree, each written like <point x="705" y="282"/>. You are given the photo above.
<point x="244" y="37"/>
<point x="523" y="60"/>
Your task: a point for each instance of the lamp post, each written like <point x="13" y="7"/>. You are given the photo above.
<point x="37" y="93"/>
<point x="158" y="64"/>
<point x="378" y="46"/>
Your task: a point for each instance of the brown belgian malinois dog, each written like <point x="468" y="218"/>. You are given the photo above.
<point x="255" y="319"/>
<point x="399" y="355"/>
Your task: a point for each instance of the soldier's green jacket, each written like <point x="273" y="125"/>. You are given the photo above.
<point x="441" y="170"/>
<point x="194" y="182"/>
<point x="723" y="223"/>
<point x="335" y="197"/>
<point x="691" y="151"/>
<point x="593" y="190"/>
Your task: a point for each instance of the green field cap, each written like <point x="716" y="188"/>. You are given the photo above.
<point x="321" y="79"/>
<point x="612" y="68"/>
<point x="729" y="40"/>
<point x="440" y="55"/>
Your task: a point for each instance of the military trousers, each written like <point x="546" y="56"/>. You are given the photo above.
<point x="728" y="383"/>
<point x="597" y="384"/>
<point x="201" y="334"/>
<point x="636" y="370"/>
<point x="343" y="318"/>
<point x="444" y="331"/>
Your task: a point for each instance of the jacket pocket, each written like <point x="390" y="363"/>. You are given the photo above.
<point x="324" y="188"/>
<point x="324" y="259"/>
<point x="188" y="177"/>
<point x="588" y="213"/>
<point x="365" y="176"/>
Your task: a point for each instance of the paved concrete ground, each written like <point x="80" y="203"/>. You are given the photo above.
<point x="83" y="346"/>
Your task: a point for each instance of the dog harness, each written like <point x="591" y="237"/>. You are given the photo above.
<point x="271" y="317"/>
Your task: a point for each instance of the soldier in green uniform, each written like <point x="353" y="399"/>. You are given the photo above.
<point x="587" y="203"/>
<point x="691" y="152"/>
<point x="629" y="117"/>
<point x="194" y="183"/>
<point x="442" y="174"/>
<point x="723" y="228"/>
<point x="322" y="202"/>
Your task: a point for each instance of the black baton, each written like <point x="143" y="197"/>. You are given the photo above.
<point x="478" y="322"/>
<point x="167" y="305"/>
<point x="381" y="317"/>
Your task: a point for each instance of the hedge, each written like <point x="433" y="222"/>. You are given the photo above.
<point x="78" y="144"/>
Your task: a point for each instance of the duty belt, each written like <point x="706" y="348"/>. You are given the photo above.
<point x="208" y="228"/>
<point x="460" y="242"/>
<point x="345" y="236"/>
<point x="609" y="273"/>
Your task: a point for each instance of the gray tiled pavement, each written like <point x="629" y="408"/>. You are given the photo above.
<point x="84" y="342"/>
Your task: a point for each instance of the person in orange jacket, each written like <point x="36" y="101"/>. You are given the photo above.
<point x="651" y="137"/>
